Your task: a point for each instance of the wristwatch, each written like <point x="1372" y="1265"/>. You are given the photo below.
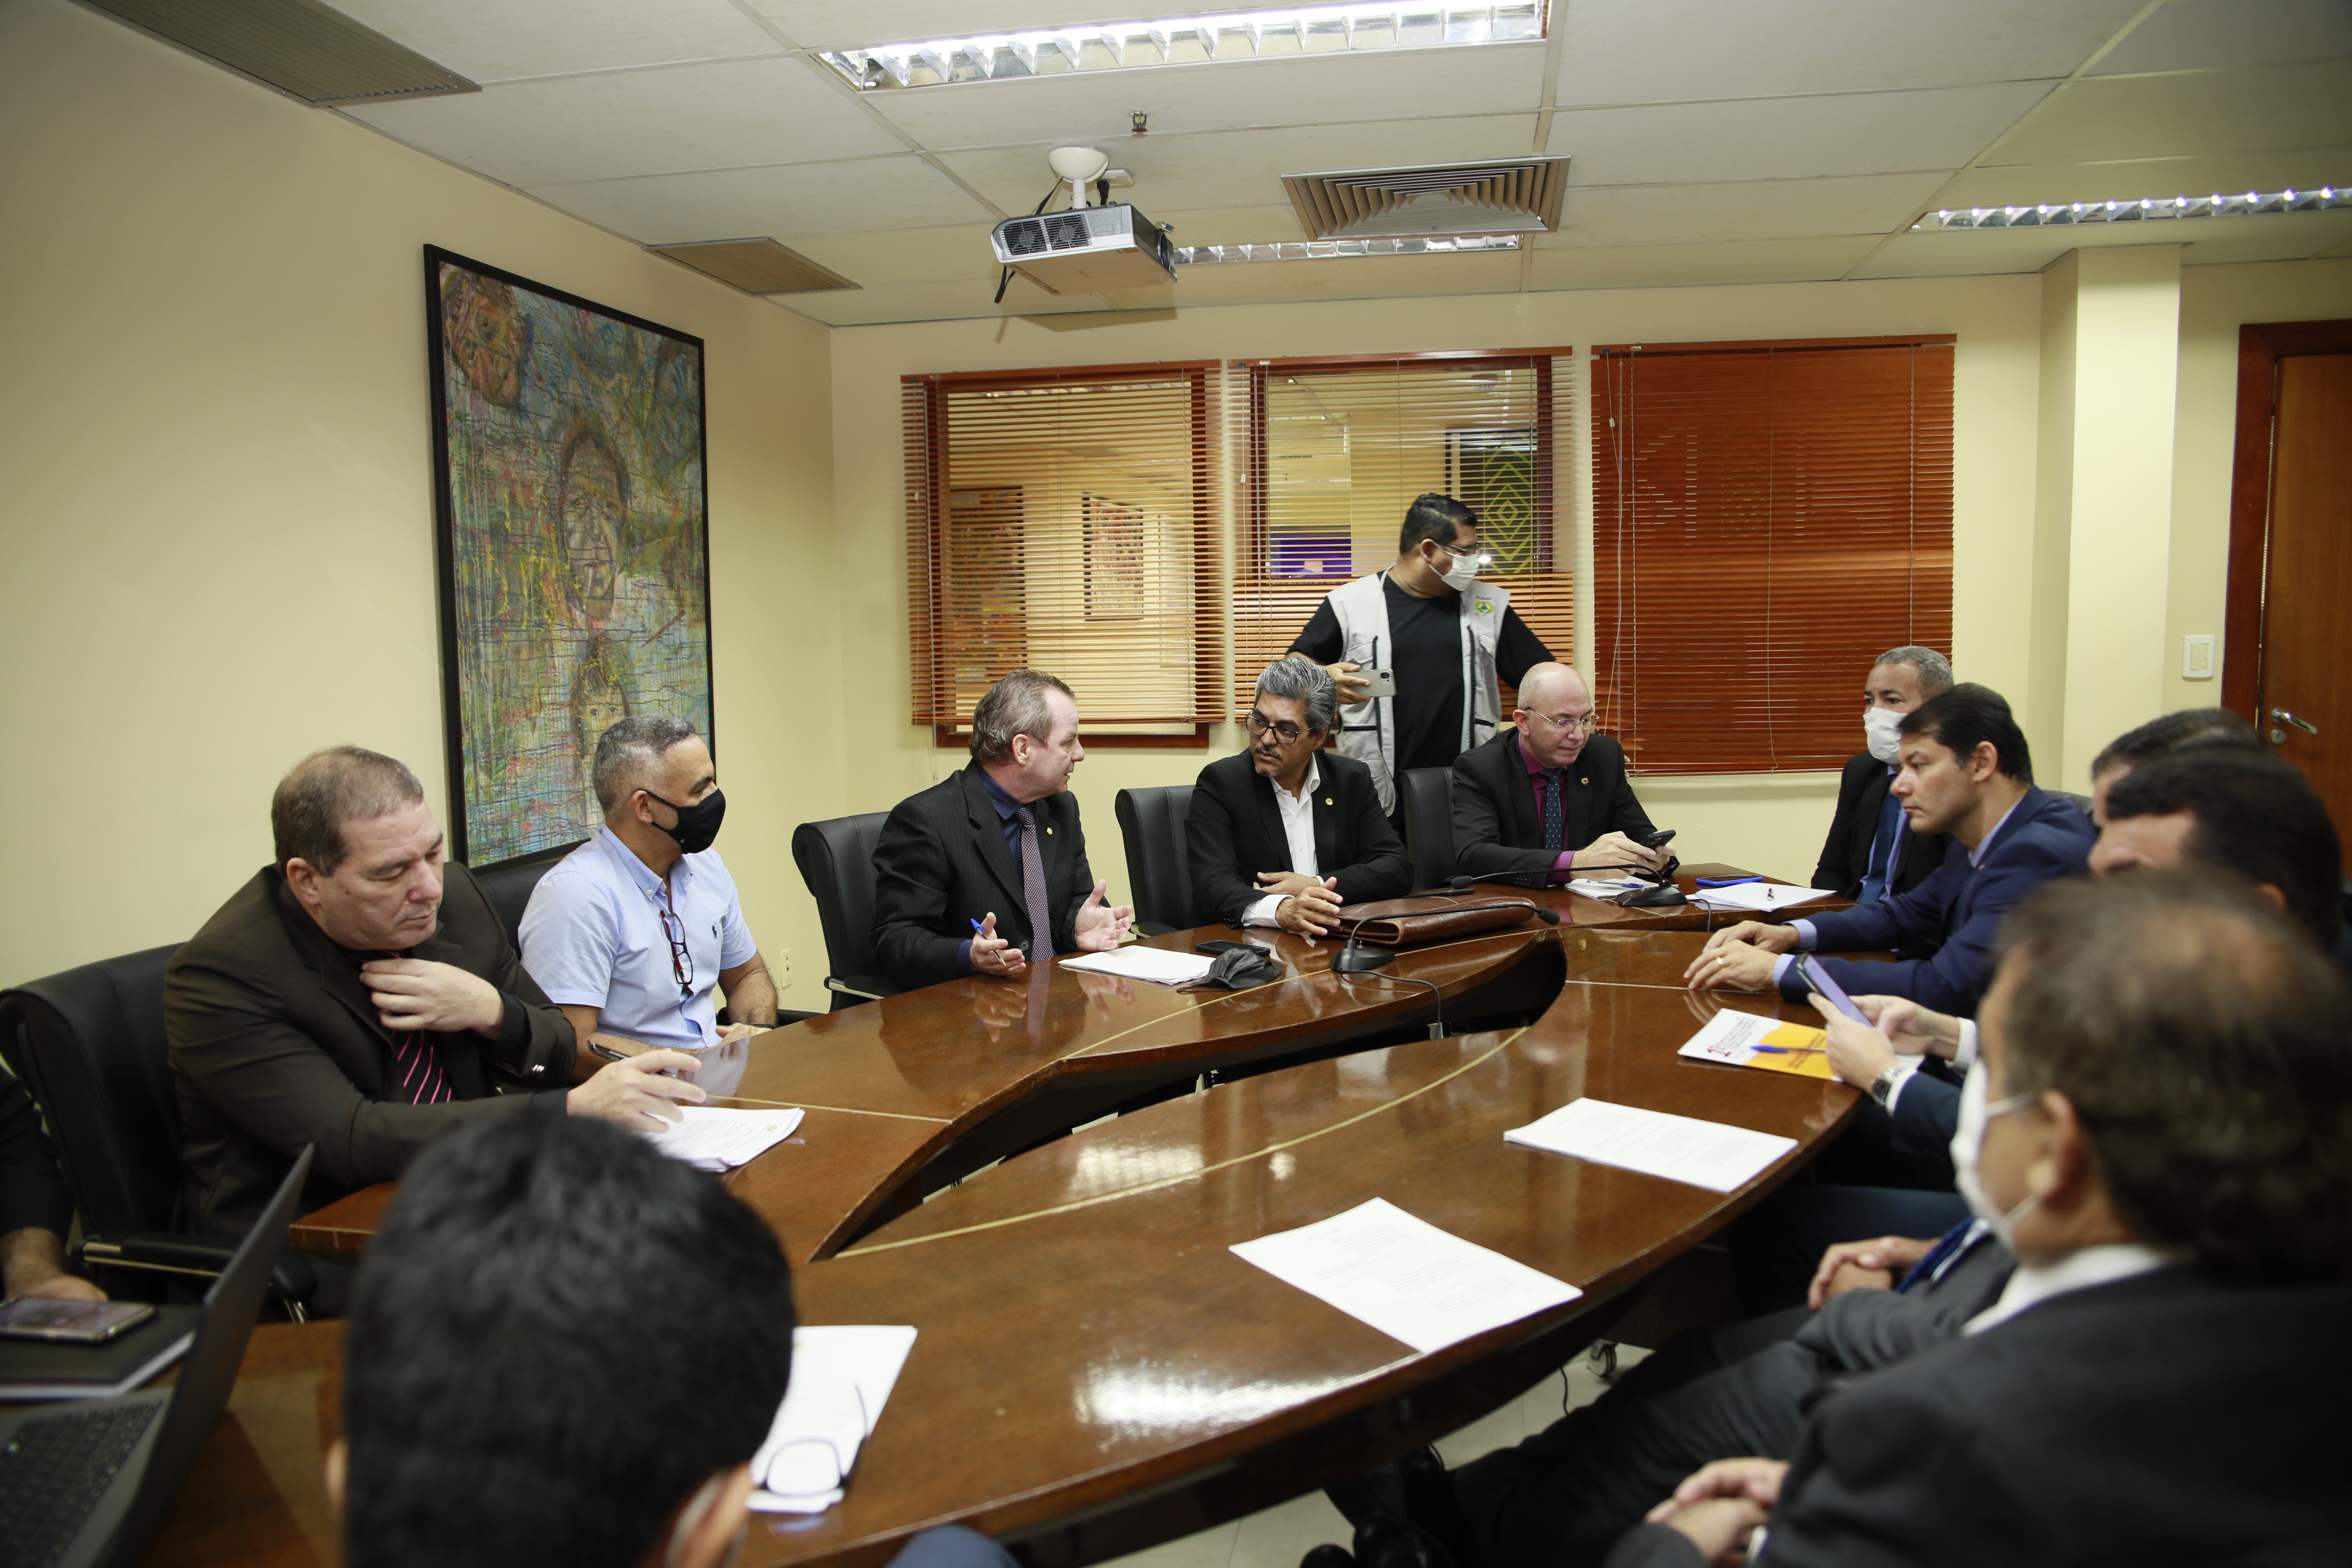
<point x="1883" y="1086"/>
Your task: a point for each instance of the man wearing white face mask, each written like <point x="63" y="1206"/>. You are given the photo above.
<point x="1445" y="637"/>
<point x="1871" y="851"/>
<point x="2162" y="1128"/>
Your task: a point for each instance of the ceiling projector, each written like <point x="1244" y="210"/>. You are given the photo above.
<point x="1086" y="249"/>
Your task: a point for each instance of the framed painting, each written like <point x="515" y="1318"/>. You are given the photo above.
<point x="574" y="542"/>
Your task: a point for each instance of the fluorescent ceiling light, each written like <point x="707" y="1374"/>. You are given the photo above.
<point x="1185" y="40"/>
<point x="2147" y="209"/>
<point x="1326" y="249"/>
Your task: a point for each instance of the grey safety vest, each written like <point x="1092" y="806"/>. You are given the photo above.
<point x="1368" y="730"/>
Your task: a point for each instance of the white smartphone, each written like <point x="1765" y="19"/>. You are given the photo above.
<point x="73" y="1322"/>
<point x="1382" y="682"/>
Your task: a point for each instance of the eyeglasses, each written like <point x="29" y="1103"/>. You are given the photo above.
<point x="1259" y="724"/>
<point x="813" y="1466"/>
<point x="681" y="957"/>
<point x="1584" y="721"/>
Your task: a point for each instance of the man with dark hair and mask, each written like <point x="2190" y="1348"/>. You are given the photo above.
<point x="1871" y="852"/>
<point x="634" y="931"/>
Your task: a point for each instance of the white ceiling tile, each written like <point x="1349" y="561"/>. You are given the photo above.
<point x="1233" y="226"/>
<point x="785" y="201"/>
<point x="1788" y="137"/>
<point x="2020" y="184"/>
<point x="2334" y="251"/>
<point x="1659" y="51"/>
<point x="1095" y="108"/>
<point x="1228" y="168"/>
<point x="1681" y="266"/>
<point x="905" y="256"/>
<point x="943" y="301"/>
<point x="2258" y="109"/>
<point x="724" y="115"/>
<point x="1768" y="209"/>
<point x="2201" y="35"/>
<point x="1962" y="253"/>
<point x="2285" y="236"/>
<point x="1347" y="277"/>
<point x="493" y="40"/>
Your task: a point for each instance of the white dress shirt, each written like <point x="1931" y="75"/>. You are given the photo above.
<point x="2034" y="1283"/>
<point x="1299" y="830"/>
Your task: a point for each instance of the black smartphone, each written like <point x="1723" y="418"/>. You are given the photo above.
<point x="1657" y="840"/>
<point x="1219" y="949"/>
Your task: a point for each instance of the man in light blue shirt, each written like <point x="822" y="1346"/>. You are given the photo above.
<point x="630" y="933"/>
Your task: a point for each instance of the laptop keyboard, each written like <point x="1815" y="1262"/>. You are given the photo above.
<point x="53" y="1472"/>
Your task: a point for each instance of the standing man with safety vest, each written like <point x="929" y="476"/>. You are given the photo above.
<point x="1442" y="636"/>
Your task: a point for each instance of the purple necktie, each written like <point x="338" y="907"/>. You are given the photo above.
<point x="1032" y="889"/>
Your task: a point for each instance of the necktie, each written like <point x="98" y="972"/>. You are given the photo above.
<point x="1554" y="830"/>
<point x="416" y="1069"/>
<point x="1032" y="889"/>
<point x="1878" y="880"/>
<point x="1953" y="1242"/>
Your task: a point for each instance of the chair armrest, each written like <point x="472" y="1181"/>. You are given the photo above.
<point x="864" y="985"/>
<point x="157" y="1252"/>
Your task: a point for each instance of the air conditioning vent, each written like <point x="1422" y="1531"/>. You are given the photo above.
<point x="298" y="46"/>
<point x="1506" y="195"/>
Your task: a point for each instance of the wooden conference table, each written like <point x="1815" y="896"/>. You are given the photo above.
<point x="1094" y="1371"/>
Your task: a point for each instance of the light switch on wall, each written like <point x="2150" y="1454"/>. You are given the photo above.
<point x="2196" y="658"/>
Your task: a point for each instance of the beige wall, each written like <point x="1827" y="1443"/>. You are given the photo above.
<point x="218" y="546"/>
<point x="1773" y="824"/>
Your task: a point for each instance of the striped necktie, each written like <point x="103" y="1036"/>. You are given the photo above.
<point x="417" y="1078"/>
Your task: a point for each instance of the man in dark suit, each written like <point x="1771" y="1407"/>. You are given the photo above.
<point x="360" y="994"/>
<point x="1549" y="797"/>
<point x="1966" y="772"/>
<point x="1871" y="851"/>
<point x="36" y="1210"/>
<point x="1284" y="833"/>
<point x="2164" y="1135"/>
<point x="987" y="869"/>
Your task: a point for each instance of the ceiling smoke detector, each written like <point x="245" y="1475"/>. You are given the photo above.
<point x="1502" y="195"/>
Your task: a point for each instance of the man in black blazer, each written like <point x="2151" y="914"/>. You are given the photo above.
<point x="1869" y="829"/>
<point x="987" y="869"/>
<point x="2164" y="1140"/>
<point x="1284" y="833"/>
<point x="1549" y="797"/>
<point x="360" y="994"/>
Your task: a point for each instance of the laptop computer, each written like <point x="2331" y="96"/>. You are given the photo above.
<point x="87" y="1484"/>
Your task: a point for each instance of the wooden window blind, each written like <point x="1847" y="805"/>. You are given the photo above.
<point x="1768" y="518"/>
<point x="1337" y="448"/>
<point x="1065" y="521"/>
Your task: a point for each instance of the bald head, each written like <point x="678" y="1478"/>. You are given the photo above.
<point x="1549" y="694"/>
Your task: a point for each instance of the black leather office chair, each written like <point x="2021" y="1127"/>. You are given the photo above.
<point x="836" y="861"/>
<point x="1159" y="870"/>
<point x="2081" y="801"/>
<point x="510" y="887"/>
<point x="1426" y="796"/>
<point x="89" y="1045"/>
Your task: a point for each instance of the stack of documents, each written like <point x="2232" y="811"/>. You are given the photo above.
<point x="713" y="1138"/>
<point x="1606" y="887"/>
<point x="842" y="1376"/>
<point x="1678" y="1148"/>
<point x="1758" y="898"/>
<point x="1405" y="1277"/>
<point x="1745" y="1040"/>
<point x="1156" y="964"/>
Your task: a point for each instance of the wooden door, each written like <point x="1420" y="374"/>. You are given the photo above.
<point x="2290" y="680"/>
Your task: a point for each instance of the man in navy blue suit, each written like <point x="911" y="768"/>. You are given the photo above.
<point x="1966" y="772"/>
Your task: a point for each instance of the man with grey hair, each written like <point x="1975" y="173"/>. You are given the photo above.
<point x="1871" y="851"/>
<point x="1284" y="833"/>
<point x="636" y="931"/>
<point x="358" y="994"/>
<point x="1548" y="799"/>
<point x="986" y="870"/>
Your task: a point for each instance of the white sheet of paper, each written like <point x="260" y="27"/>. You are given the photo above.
<point x="1761" y="898"/>
<point x="1156" y="964"/>
<point x="1654" y="1143"/>
<point x="842" y="1377"/>
<point x="1605" y="887"/>
<point x="1405" y="1277"/>
<point x="719" y="1137"/>
<point x="1729" y="1037"/>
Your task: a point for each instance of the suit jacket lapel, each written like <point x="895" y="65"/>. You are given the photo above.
<point x="988" y="829"/>
<point x="1324" y="801"/>
<point x="1865" y="832"/>
<point x="1276" y="854"/>
<point x="1519" y="789"/>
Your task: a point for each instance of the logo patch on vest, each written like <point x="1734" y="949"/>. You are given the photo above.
<point x="1485" y="607"/>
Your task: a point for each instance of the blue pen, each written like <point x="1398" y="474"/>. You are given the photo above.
<point x="1789" y="1050"/>
<point x="1726" y="881"/>
<point x="975" y="924"/>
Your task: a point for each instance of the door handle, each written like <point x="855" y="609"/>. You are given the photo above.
<point x="2284" y="717"/>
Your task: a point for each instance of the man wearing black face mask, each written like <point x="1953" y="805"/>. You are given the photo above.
<point x="631" y="931"/>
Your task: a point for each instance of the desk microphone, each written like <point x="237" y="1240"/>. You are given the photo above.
<point x="1355" y="958"/>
